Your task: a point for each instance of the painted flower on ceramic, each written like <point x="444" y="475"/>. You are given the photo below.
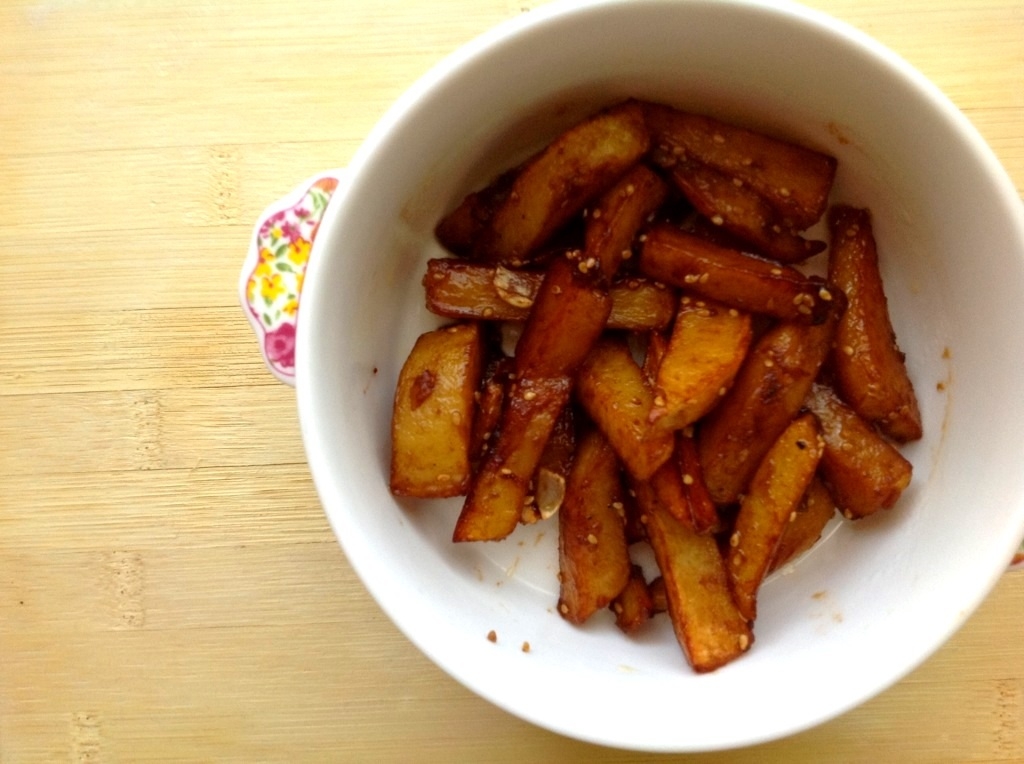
<point x="283" y="242"/>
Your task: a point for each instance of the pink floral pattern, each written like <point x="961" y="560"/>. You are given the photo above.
<point x="272" y="276"/>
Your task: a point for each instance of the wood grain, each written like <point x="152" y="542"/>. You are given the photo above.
<point x="169" y="587"/>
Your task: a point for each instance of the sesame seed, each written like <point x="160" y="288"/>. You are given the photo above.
<point x="690" y="278"/>
<point x="784" y="192"/>
<point x="847" y="514"/>
<point x="718" y="138"/>
<point x="734" y="540"/>
<point x="438" y="276"/>
<point x="792" y="516"/>
<point x="583" y="267"/>
<point x="456" y="418"/>
<point x="677" y="151"/>
<point x="746" y="161"/>
<point x="444" y="477"/>
<point x="768" y="363"/>
<point x="717" y="220"/>
<point x="687" y="479"/>
<point x="659" y="401"/>
<point x="643" y="519"/>
<point x="563" y="608"/>
<point x="722" y="390"/>
<point x="853" y="230"/>
<point x="738" y="182"/>
<point x="617" y="505"/>
<point x="556" y="289"/>
<point x="733" y="312"/>
<point x="505" y="472"/>
<point x="737" y="559"/>
<point x="591" y="538"/>
<point x="617" y="607"/>
<point x="642" y="237"/>
<point x="825" y="294"/>
<point x="591" y="262"/>
<point x="626" y="254"/>
<point x="743" y="641"/>
<point x="488" y="312"/>
<point x="633" y="284"/>
<point x="595" y="214"/>
<point x="630" y="189"/>
<point x="804" y="310"/>
<point x="526" y="647"/>
<point x="704" y="278"/>
<point x="529" y="395"/>
<point x="492" y="636"/>
<point x="777" y="228"/>
<point x="776" y="271"/>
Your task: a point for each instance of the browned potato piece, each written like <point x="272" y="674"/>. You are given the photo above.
<point x="741" y="211"/>
<point x="740" y="281"/>
<point x="667" y="483"/>
<point x="703" y="512"/>
<point x="864" y="472"/>
<point x="593" y="557"/>
<point x="870" y="371"/>
<point x="576" y="168"/>
<point x="567" y="318"/>
<point x="433" y="413"/>
<point x="774" y="494"/>
<point x="460" y="229"/>
<point x="549" y="483"/>
<point x="497" y="494"/>
<point x="708" y="344"/>
<point x="633" y="607"/>
<point x="705" y="619"/>
<point x="611" y="388"/>
<point x="806" y="524"/>
<point x="461" y="289"/>
<point x="615" y="218"/>
<point x="490" y="400"/>
<point x="794" y="179"/>
<point x="767" y="393"/>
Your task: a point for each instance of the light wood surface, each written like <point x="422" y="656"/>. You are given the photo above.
<point x="169" y="588"/>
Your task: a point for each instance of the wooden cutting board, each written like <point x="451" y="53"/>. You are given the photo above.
<point x="169" y="587"/>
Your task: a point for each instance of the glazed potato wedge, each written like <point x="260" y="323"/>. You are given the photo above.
<point x="795" y="180"/>
<point x="775" y="493"/>
<point x="576" y="168"/>
<point x="594" y="564"/>
<point x="433" y="413"/>
<point x="615" y="218"/>
<point x="742" y="212"/>
<point x="634" y="606"/>
<point x="549" y="484"/>
<point x="461" y="229"/>
<point x="708" y="344"/>
<point x="466" y="290"/>
<point x="805" y="526"/>
<point x="706" y="621"/>
<point x="497" y="494"/>
<point x="864" y="472"/>
<point x="766" y="395"/>
<point x="568" y="316"/>
<point x="703" y="512"/>
<point x="871" y="374"/>
<point x="736" y="279"/>
<point x="611" y="388"/>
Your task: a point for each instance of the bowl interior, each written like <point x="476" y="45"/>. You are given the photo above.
<point x="868" y="603"/>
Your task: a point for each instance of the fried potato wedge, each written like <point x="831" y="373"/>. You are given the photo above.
<point x="795" y="180"/>
<point x="593" y="557"/>
<point x="805" y="526"/>
<point x="611" y="388"/>
<point x="466" y="290"/>
<point x="615" y="218"/>
<point x="633" y="607"/>
<point x="741" y="211"/>
<point x="775" y="493"/>
<point x="461" y="229"/>
<point x="497" y="493"/>
<point x="705" y="619"/>
<point x="736" y="279"/>
<point x="576" y="168"/>
<point x="864" y="471"/>
<point x="432" y="418"/>
<point x="766" y="395"/>
<point x="871" y="374"/>
<point x="703" y="512"/>
<point x="708" y="344"/>
<point x="568" y="316"/>
<point x="549" y="484"/>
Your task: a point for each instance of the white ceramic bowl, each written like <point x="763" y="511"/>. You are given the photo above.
<point x="871" y="601"/>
